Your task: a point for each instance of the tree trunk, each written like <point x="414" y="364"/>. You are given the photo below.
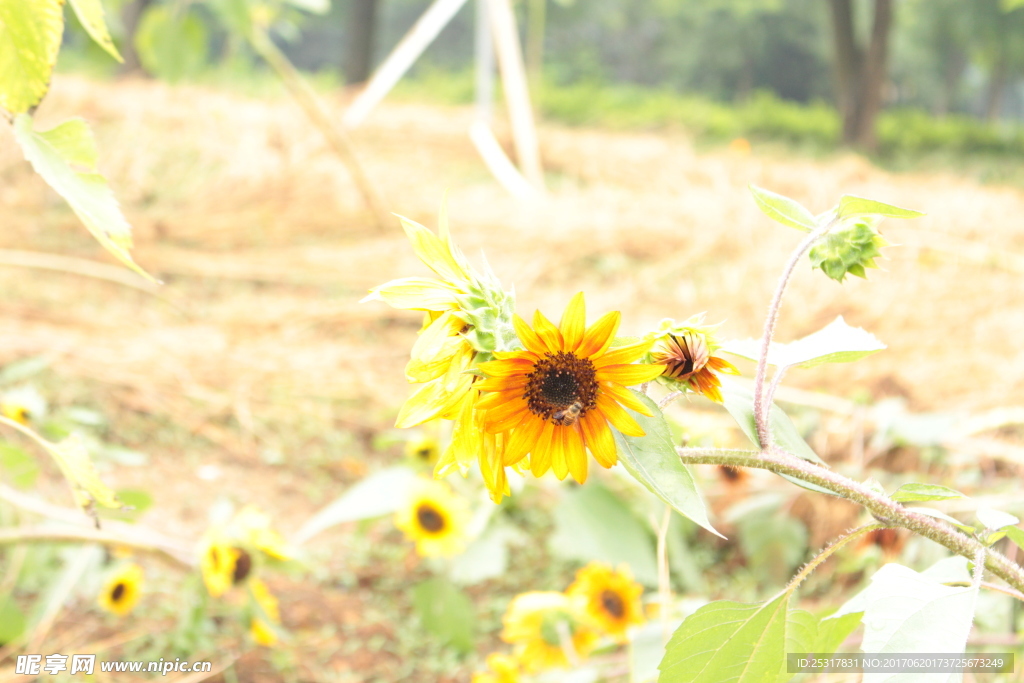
<point x="359" y="39"/>
<point x="996" y="87"/>
<point x="860" y="73"/>
<point x="130" y="15"/>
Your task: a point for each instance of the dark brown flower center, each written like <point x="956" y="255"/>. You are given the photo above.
<point x="243" y="565"/>
<point x="119" y="590"/>
<point x="424" y="453"/>
<point x="559" y="380"/>
<point x="429" y="518"/>
<point x="613" y="604"/>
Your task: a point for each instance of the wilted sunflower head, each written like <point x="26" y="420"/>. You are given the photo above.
<point x="435" y="518"/>
<point x="686" y="351"/>
<point x="611" y="597"/>
<point x="121" y="591"/>
<point x="547" y="627"/>
<point x="561" y="395"/>
<point x="266" y="614"/>
<point x="501" y="669"/>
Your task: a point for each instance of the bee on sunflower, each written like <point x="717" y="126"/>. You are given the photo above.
<point x="563" y="393"/>
<point x="548" y="629"/>
<point x="686" y="353"/>
<point x="122" y="590"/>
<point x="434" y="518"/>
<point x="611" y="597"/>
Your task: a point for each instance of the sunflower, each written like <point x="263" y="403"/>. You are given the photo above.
<point x="612" y="598"/>
<point x="264" y="602"/>
<point x="122" y="590"/>
<point x="558" y="396"/>
<point x="502" y="669"/>
<point x="435" y="518"/>
<point x="423" y="449"/>
<point x="544" y="626"/>
<point x="218" y="563"/>
<point x="686" y="352"/>
<point x="251" y="526"/>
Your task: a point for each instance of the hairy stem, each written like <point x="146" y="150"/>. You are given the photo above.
<point x="762" y="403"/>
<point x="835" y="545"/>
<point x="881" y="506"/>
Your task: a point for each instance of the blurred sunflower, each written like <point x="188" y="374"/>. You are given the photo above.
<point x="559" y="395"/>
<point x="543" y="626"/>
<point x="435" y="518"/>
<point x="261" y="631"/>
<point x="122" y="590"/>
<point x="22" y="404"/>
<point x="686" y="352"/>
<point x="217" y="562"/>
<point x="612" y="598"/>
<point x="502" y="669"/>
<point x="251" y="526"/>
<point x="423" y="449"/>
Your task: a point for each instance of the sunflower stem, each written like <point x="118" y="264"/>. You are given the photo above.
<point x="664" y="580"/>
<point x="664" y="403"/>
<point x="763" y="403"/>
<point x="879" y="505"/>
<point x="827" y="552"/>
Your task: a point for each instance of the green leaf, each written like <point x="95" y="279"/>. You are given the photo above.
<point x="943" y="516"/>
<point x="484" y="558"/>
<point x="172" y="44"/>
<point x="783" y="209"/>
<point x="445" y="612"/>
<point x="584" y="520"/>
<point x="949" y="570"/>
<point x="905" y="611"/>
<point x="379" y="494"/>
<point x="728" y="641"/>
<point x="136" y="501"/>
<point x="30" y="35"/>
<point x="837" y="342"/>
<point x="65" y="157"/>
<point x="833" y="630"/>
<point x="857" y="206"/>
<point x="995" y="519"/>
<point x="90" y="14"/>
<point x="1016" y="535"/>
<point x="18" y="467"/>
<point x="12" y="621"/>
<point x="647" y="649"/>
<point x="653" y="461"/>
<point x="1010" y="5"/>
<point x="73" y="458"/>
<point x="915" y="493"/>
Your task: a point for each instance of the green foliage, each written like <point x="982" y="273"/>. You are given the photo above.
<point x="652" y="460"/>
<point x="17" y="466"/>
<point x="66" y="158"/>
<point x="90" y="14"/>
<point x="849" y="248"/>
<point x="445" y="612"/>
<point x="915" y="493"/>
<point x="592" y="523"/>
<point x="172" y="44"/>
<point x="484" y="558"/>
<point x="30" y="35"/>
<point x="837" y="342"/>
<point x="783" y="209"/>
<point x="12" y="621"/>
<point x="850" y="206"/>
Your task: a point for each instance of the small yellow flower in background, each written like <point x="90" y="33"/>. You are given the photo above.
<point x="502" y="669"/>
<point x="252" y="526"/>
<point x="262" y="632"/>
<point x="547" y="629"/>
<point x="122" y="590"/>
<point x="423" y="449"/>
<point x="612" y="598"/>
<point x="686" y="352"/>
<point x="217" y="562"/>
<point x="558" y="396"/>
<point x="739" y="146"/>
<point x="435" y="518"/>
<point x="22" y="404"/>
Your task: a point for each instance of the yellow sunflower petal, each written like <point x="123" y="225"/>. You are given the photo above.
<point x="506" y="368"/>
<point x="599" y="439"/>
<point x="523" y="439"/>
<point x="425" y="404"/>
<point x="433" y="251"/>
<point x="599" y="336"/>
<point x="494" y="399"/>
<point x="722" y="365"/>
<point x="624" y="354"/>
<point x="503" y="383"/>
<point x="508" y="422"/>
<point x="628" y="375"/>
<point x="575" y="455"/>
<point x="513" y="406"/>
<point x="548" y="333"/>
<point x="625" y="397"/>
<point x="619" y="418"/>
<point x="559" y="464"/>
<point x="574" y="322"/>
<point x="526" y="335"/>
<point x="540" y="454"/>
<point x="416" y="293"/>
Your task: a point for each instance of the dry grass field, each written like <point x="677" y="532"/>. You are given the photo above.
<point x="257" y="359"/>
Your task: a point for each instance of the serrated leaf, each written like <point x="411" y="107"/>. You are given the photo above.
<point x="65" y="157"/>
<point x="837" y="342"/>
<point x="172" y="44"/>
<point x="445" y="612"/>
<point x="90" y="14"/>
<point x="908" y="612"/>
<point x="653" y="461"/>
<point x="783" y="209"/>
<point x="916" y="493"/>
<point x="582" y="521"/>
<point x="728" y="641"/>
<point x="30" y="36"/>
<point x="379" y="494"/>
<point x="858" y="206"/>
<point x="944" y="517"/>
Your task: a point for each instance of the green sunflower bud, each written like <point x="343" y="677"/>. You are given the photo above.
<point x="849" y="248"/>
